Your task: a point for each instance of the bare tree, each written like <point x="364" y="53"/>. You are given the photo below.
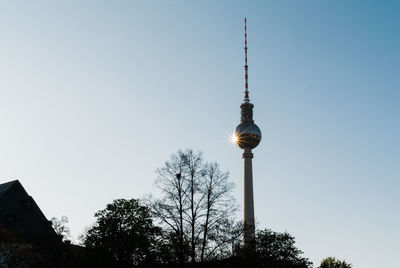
<point x="196" y="205"/>
<point x="194" y="173"/>
<point x="170" y="209"/>
<point x="60" y="227"/>
<point x="218" y="208"/>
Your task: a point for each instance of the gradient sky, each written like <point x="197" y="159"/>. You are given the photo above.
<point x="95" y="95"/>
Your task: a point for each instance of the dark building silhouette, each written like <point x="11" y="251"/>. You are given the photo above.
<point x="21" y="216"/>
<point x="29" y="238"/>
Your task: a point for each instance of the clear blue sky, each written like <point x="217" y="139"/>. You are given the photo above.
<point x="95" y="95"/>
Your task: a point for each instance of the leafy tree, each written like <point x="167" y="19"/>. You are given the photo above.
<point x="60" y="227"/>
<point x="331" y="262"/>
<point x="196" y="206"/>
<point x="274" y="249"/>
<point x="124" y="230"/>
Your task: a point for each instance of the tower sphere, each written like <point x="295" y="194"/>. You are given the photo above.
<point x="248" y="135"/>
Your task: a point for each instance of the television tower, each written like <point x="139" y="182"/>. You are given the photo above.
<point x="247" y="136"/>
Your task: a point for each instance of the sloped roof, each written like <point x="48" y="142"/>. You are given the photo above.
<point x="4" y="187"/>
<point x="20" y="214"/>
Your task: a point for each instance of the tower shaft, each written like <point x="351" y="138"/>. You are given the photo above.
<point x="248" y="219"/>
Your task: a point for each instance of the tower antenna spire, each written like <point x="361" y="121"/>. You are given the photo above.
<point x="246" y="67"/>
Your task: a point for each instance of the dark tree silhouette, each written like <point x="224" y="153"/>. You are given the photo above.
<point x="273" y="250"/>
<point x="276" y="249"/>
<point x="124" y="231"/>
<point x="196" y="206"/>
<point x="331" y="262"/>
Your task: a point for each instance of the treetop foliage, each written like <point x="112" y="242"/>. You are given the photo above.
<point x="124" y="230"/>
<point x="332" y="262"/>
<point x="279" y="249"/>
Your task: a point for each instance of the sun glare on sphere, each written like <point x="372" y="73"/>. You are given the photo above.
<point x="234" y="138"/>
